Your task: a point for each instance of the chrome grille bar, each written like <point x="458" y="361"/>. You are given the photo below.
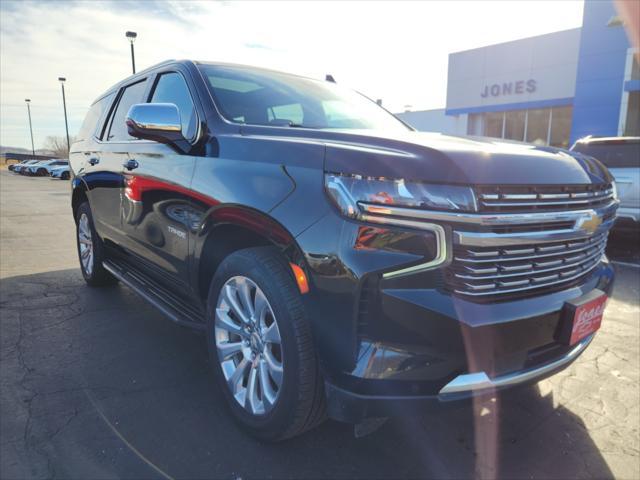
<point x="507" y="272"/>
<point x="504" y="201"/>
<point x="490" y="289"/>
<point x="496" y="255"/>
<point x="531" y="270"/>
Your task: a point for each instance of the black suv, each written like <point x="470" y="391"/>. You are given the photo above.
<point x="340" y="262"/>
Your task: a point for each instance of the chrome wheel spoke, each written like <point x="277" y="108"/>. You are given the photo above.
<point x="268" y="393"/>
<point x="224" y="321"/>
<point x="251" y="401"/>
<point x="272" y="334"/>
<point x="275" y="367"/>
<point x="232" y="300"/>
<point x="227" y="350"/>
<point x="235" y="379"/>
<point x="260" y="305"/>
<point x="244" y="293"/>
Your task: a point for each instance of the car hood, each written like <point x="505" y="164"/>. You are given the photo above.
<point x="434" y="157"/>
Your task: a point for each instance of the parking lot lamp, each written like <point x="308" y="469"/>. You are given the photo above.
<point x="132" y="38"/>
<point x="64" y="105"/>
<point x="28" y="102"/>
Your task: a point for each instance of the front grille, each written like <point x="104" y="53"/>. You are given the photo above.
<point x="542" y="198"/>
<point x="482" y="272"/>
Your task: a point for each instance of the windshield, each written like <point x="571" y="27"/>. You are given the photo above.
<point x="261" y="97"/>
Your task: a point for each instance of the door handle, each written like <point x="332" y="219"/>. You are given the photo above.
<point x="94" y="161"/>
<point x="130" y="164"/>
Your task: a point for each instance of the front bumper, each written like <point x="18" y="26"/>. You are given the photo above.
<point x="352" y="407"/>
<point x="445" y="351"/>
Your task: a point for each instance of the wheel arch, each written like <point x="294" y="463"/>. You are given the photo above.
<point x="78" y="195"/>
<point x="229" y="228"/>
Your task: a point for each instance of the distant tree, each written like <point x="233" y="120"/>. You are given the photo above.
<point x="58" y="145"/>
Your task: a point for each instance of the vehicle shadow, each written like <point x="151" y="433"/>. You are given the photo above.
<point x="98" y="384"/>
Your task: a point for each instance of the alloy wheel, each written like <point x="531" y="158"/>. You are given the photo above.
<point x="249" y="345"/>
<point x="86" y="244"/>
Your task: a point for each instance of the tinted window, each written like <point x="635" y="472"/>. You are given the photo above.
<point x="171" y="88"/>
<point x="95" y="114"/>
<point x="263" y="97"/>
<point x="131" y="95"/>
<point x="620" y="155"/>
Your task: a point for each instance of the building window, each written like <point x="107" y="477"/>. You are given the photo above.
<point x="493" y="124"/>
<point x="514" y="124"/>
<point x="560" y="126"/>
<point x="538" y="126"/>
<point x="542" y="126"/>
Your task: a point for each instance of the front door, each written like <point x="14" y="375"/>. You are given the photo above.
<point x="157" y="213"/>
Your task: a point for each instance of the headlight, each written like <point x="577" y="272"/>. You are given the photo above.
<point x="614" y="187"/>
<point x="348" y="191"/>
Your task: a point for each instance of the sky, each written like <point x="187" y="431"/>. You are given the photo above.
<point x="396" y="51"/>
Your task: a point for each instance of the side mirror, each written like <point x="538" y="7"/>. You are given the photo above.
<point x="159" y="122"/>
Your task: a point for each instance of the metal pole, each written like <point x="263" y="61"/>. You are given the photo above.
<point x="66" y="124"/>
<point x="133" y="59"/>
<point x="33" y="149"/>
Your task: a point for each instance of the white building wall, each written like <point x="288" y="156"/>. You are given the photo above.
<point x="529" y="70"/>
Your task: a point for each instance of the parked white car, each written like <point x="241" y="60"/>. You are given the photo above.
<point x="44" y="168"/>
<point x="622" y="156"/>
<point x="61" y="172"/>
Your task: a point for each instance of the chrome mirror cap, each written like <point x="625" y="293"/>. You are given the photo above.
<point x="153" y="117"/>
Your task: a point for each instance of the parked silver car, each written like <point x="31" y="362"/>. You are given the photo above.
<point x="622" y="156"/>
<point x="62" y="172"/>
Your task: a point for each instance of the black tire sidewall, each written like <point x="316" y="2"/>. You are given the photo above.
<point x="275" y="422"/>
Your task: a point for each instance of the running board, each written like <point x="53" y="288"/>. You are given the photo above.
<point x="154" y="294"/>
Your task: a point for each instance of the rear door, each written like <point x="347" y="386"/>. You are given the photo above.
<point x="157" y="214"/>
<point x="103" y="163"/>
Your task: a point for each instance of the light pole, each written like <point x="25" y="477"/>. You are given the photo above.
<point x="33" y="149"/>
<point x="64" y="105"/>
<point x="132" y="38"/>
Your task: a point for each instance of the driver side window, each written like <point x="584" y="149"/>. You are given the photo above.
<point x="171" y="88"/>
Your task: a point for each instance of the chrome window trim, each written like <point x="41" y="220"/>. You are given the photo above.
<point x="473" y="382"/>
<point x="440" y="257"/>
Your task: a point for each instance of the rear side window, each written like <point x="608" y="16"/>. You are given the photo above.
<point x="132" y="94"/>
<point x="171" y="88"/>
<point x="613" y="155"/>
<point x="92" y="120"/>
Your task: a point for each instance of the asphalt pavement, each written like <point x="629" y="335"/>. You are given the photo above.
<point x="95" y="383"/>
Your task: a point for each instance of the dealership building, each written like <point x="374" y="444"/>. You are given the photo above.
<point x="551" y="89"/>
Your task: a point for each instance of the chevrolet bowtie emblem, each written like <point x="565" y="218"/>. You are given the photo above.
<point x="590" y="222"/>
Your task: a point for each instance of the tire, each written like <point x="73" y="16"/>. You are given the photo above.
<point x="41" y="172"/>
<point x="88" y="240"/>
<point x="65" y="176"/>
<point x="299" y="403"/>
